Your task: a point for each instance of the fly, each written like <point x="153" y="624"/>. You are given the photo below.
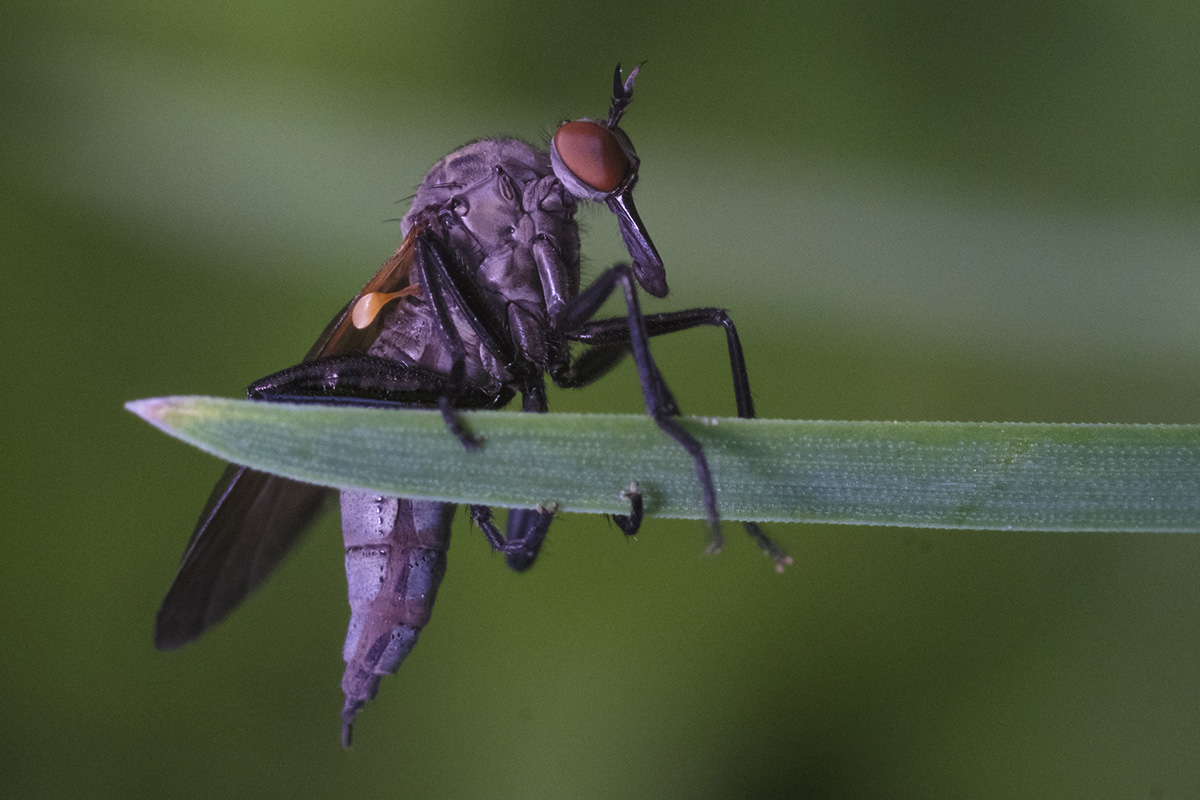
<point x="480" y="303"/>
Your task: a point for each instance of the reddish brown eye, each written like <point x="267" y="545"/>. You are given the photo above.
<point x="592" y="153"/>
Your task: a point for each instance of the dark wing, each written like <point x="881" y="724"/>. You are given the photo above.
<point x="252" y="519"/>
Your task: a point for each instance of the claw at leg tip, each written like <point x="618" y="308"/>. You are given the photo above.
<point x="716" y="541"/>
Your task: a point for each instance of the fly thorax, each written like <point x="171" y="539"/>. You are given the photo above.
<point x="510" y="272"/>
<point x="489" y="211"/>
<point x="473" y="166"/>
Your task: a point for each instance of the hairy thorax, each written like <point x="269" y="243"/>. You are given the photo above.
<point x="511" y="225"/>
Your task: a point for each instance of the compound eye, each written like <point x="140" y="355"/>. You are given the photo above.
<point x="592" y="153"/>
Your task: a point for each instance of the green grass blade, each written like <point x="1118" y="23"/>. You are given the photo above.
<point x="1012" y="476"/>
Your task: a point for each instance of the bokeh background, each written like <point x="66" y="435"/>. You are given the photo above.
<point x="914" y="209"/>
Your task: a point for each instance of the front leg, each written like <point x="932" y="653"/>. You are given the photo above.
<point x="604" y="334"/>
<point x="610" y="339"/>
<point x="660" y="403"/>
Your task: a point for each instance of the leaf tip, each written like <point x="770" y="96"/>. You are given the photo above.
<point x="155" y="410"/>
<point x="150" y="409"/>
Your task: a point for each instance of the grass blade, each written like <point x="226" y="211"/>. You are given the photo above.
<point x="1011" y="476"/>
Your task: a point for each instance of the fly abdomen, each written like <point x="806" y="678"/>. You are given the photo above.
<point x="395" y="560"/>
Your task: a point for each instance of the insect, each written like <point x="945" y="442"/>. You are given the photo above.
<point x="480" y="303"/>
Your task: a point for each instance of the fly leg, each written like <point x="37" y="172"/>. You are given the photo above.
<point x="629" y="524"/>
<point x="431" y="271"/>
<point x="615" y="330"/>
<point x="660" y="403"/>
<point x="449" y="289"/>
<point x="590" y="366"/>
<point x="613" y="335"/>
<point x="526" y="529"/>
<point x="366" y="380"/>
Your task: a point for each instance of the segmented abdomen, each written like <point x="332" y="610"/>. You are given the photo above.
<point x="395" y="560"/>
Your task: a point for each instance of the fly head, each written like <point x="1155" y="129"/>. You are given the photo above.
<point x="596" y="161"/>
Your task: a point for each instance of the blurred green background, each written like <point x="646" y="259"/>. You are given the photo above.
<point x="914" y="210"/>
